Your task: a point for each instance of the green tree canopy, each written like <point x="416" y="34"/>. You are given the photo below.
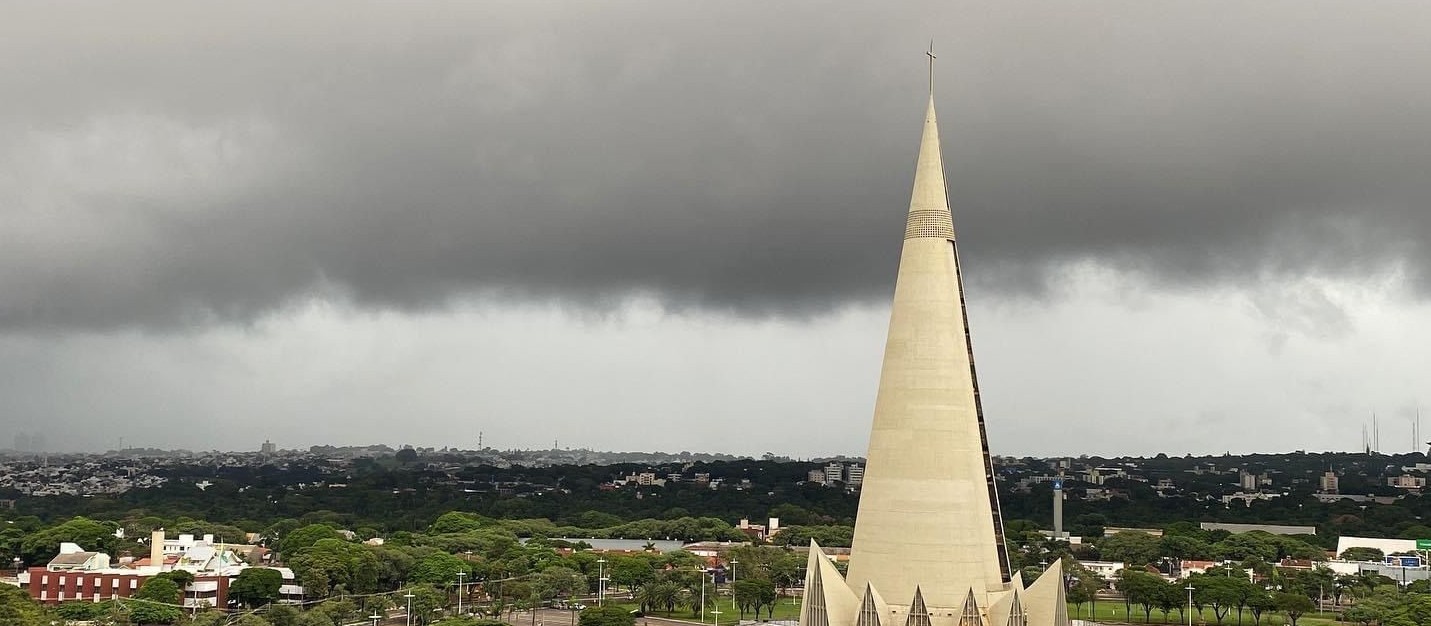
<point x="1295" y="605"/>
<point x="456" y="522"/>
<point x="39" y="547"/>
<point x="17" y="609"/>
<point x="160" y="589"/>
<point x="439" y="569"/>
<point x="630" y="571"/>
<point x="1244" y="546"/>
<point x="156" y="602"/>
<point x="256" y="586"/>
<point x="305" y="537"/>
<point x="754" y="594"/>
<point x="333" y="566"/>
<point x="558" y="581"/>
<point x="1133" y="548"/>
<point x="1363" y="554"/>
<point x="606" y="616"/>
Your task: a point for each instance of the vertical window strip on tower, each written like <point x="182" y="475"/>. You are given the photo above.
<point x="869" y="614"/>
<point x="1016" y="612"/>
<point x="918" y="613"/>
<point x="970" y="615"/>
<point x="815" y="594"/>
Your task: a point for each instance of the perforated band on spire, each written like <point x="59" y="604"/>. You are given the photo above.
<point x="929" y="223"/>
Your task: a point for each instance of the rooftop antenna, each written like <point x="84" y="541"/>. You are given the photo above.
<point x="1416" y="434"/>
<point x="1375" y="434"/>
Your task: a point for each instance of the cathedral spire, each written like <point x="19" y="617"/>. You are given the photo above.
<point x="928" y="527"/>
<point x="928" y="514"/>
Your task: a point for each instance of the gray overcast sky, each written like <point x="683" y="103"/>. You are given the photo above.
<point x="1188" y="226"/>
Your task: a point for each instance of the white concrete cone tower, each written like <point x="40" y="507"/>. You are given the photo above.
<point x="929" y="522"/>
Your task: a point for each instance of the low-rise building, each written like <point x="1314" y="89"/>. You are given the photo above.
<point x="1275" y="529"/>
<point x="79" y="575"/>
<point x="1406" y="481"/>
<point x="1107" y="570"/>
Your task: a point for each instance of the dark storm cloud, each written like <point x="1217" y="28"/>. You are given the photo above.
<point x="174" y="164"/>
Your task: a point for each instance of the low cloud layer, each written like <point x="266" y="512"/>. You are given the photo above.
<point x="167" y="166"/>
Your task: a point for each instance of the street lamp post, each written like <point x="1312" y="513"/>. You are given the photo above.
<point x="459" y="591"/>
<point x="1190" y="588"/>
<point x="733" y="607"/>
<point x="715" y="612"/>
<point x="703" y="595"/>
<point x="409" y="607"/>
<point x="600" y="580"/>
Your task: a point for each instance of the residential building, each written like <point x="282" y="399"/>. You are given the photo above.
<point x="1248" y="481"/>
<point x="1107" y="570"/>
<point x="854" y="475"/>
<point x="1328" y="482"/>
<point x="1406" y="481"/>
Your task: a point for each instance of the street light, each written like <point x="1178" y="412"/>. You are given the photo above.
<point x="703" y="593"/>
<point x="1190" y="603"/>
<point x="409" y="607"/>
<point x="733" y="607"/>
<point x="459" y="591"/>
<point x="600" y="580"/>
<point x="715" y="604"/>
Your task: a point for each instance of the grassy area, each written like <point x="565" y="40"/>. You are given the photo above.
<point x="785" y="609"/>
<point x="1108" y="612"/>
<point x="1113" y="613"/>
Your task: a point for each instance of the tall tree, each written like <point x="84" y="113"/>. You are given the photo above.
<point x="1295" y="605"/>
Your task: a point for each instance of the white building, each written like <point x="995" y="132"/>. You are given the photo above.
<point x="854" y="475"/>
<point x="1387" y="546"/>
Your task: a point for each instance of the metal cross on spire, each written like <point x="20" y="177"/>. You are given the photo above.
<point x="931" y="56"/>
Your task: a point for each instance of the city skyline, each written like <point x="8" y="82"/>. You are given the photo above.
<point x="645" y="226"/>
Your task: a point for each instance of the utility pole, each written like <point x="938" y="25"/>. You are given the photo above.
<point x="459" y="591"/>
<point x="600" y="580"/>
<point x="715" y="612"/>
<point x="733" y="607"/>
<point x="1190" y="603"/>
